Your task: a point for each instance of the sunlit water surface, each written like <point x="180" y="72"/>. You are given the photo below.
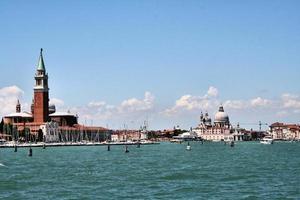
<point x="167" y="171"/>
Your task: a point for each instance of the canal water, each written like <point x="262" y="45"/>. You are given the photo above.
<point x="167" y="171"/>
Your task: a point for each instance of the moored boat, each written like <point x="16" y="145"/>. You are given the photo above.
<point x="188" y="147"/>
<point x="267" y="140"/>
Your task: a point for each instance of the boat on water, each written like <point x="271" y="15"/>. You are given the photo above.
<point x="2" y="141"/>
<point x="228" y="139"/>
<point x="176" y="141"/>
<point x="267" y="140"/>
<point x="186" y="136"/>
<point x="188" y="147"/>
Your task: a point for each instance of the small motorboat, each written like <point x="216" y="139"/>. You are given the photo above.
<point x="267" y="140"/>
<point x="188" y="147"/>
<point x="176" y="141"/>
<point x="126" y="149"/>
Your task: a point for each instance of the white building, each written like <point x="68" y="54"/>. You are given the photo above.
<point x="217" y="131"/>
<point x="129" y="135"/>
<point x="281" y="131"/>
<point x="50" y="132"/>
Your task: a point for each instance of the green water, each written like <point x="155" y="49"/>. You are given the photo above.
<point x="165" y="171"/>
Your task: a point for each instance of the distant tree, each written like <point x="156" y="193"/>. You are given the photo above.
<point x="152" y="134"/>
<point x="1" y="126"/>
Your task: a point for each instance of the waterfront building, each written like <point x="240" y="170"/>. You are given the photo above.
<point x="50" y="132"/>
<point x="220" y="129"/>
<point x="282" y="131"/>
<point x="216" y="131"/>
<point x="43" y="120"/>
<point x="64" y="118"/>
<point x="129" y="135"/>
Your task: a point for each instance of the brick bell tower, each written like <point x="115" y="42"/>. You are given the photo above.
<point x="41" y="93"/>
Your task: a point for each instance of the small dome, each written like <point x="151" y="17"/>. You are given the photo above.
<point x="52" y="109"/>
<point x="221" y="116"/>
<point x="205" y="118"/>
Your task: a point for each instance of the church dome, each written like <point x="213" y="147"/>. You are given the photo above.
<point x="221" y="116"/>
<point x="207" y="116"/>
<point x="52" y="109"/>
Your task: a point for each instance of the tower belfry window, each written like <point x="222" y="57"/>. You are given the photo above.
<point x="39" y="82"/>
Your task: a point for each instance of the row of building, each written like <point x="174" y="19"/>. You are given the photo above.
<point x="43" y="122"/>
<point x="282" y="131"/>
<point x="221" y="129"/>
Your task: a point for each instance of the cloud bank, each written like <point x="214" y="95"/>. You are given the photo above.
<point x="8" y="99"/>
<point x="136" y="110"/>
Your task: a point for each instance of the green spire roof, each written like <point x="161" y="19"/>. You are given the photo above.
<point x="41" y="65"/>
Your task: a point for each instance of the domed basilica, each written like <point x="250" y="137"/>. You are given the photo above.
<point x="218" y="130"/>
<point x="221" y="118"/>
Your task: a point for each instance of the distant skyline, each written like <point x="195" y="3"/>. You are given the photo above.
<point x="123" y="62"/>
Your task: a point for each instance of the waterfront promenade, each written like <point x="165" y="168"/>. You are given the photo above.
<point x="69" y="144"/>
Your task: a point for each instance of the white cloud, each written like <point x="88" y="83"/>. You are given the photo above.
<point x="127" y="109"/>
<point x="192" y="103"/>
<point x="260" y="102"/>
<point x="189" y="102"/>
<point x="184" y="108"/>
<point x="290" y="101"/>
<point x="282" y="113"/>
<point x="297" y="111"/>
<point x="57" y="102"/>
<point x="210" y="101"/>
<point x="235" y="104"/>
<point x="97" y="104"/>
<point x="257" y="102"/>
<point x="134" y="105"/>
<point x="11" y="91"/>
<point x="187" y="107"/>
<point x="212" y="92"/>
<point x="8" y="99"/>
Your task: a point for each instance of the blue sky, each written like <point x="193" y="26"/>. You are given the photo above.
<point x="116" y="62"/>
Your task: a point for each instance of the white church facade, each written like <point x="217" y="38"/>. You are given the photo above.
<point x="219" y="130"/>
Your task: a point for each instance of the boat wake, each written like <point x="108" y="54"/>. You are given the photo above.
<point x="1" y="165"/>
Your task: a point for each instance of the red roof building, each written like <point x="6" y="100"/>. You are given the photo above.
<point x="282" y="131"/>
<point x="41" y="113"/>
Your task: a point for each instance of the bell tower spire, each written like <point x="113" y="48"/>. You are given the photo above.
<point x="41" y="92"/>
<point x="18" y="106"/>
<point x="41" y="65"/>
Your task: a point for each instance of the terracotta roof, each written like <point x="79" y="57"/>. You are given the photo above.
<point x="67" y="128"/>
<point x="277" y="124"/>
<point x="282" y="125"/>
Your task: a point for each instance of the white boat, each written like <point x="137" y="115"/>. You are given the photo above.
<point x="267" y="140"/>
<point x="188" y="147"/>
<point x="176" y="141"/>
<point x="228" y="139"/>
<point x="187" y="136"/>
<point x="2" y="141"/>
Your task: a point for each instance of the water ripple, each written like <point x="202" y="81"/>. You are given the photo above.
<point x="166" y="171"/>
